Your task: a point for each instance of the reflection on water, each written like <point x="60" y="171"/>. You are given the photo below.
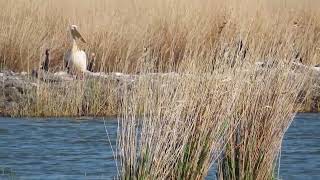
<point x="68" y="149"/>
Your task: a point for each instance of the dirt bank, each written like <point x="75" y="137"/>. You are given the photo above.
<point x="60" y="94"/>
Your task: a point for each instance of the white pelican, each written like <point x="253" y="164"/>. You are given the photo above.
<point x="76" y="58"/>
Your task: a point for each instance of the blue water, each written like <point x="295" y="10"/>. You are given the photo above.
<point x="300" y="157"/>
<point x="72" y="149"/>
<point x="56" y="149"/>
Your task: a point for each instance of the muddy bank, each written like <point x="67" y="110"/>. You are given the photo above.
<point x="61" y="94"/>
<point x="18" y="90"/>
<point x="50" y="94"/>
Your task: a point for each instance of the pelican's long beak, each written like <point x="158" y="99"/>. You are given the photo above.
<point x="75" y="33"/>
<point x="78" y="35"/>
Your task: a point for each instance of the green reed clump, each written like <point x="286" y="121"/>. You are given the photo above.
<point x="177" y="125"/>
<point x="264" y="112"/>
<point x="174" y="126"/>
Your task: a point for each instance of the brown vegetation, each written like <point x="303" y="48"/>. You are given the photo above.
<point x="117" y="31"/>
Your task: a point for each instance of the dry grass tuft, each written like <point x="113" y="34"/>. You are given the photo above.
<point x="173" y="126"/>
<point x="176" y="126"/>
<point x="264" y="112"/>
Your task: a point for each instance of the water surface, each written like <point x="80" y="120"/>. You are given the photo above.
<point x="57" y="148"/>
<point x="73" y="149"/>
<point x="300" y="157"/>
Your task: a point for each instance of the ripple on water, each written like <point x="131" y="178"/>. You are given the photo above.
<point x="3" y="131"/>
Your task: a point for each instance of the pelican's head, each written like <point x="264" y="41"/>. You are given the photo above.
<point x="74" y="27"/>
<point x="75" y="33"/>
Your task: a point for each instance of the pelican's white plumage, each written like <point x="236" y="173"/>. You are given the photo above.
<point x="79" y="61"/>
<point x="75" y="58"/>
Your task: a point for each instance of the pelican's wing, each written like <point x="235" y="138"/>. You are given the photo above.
<point x="80" y="60"/>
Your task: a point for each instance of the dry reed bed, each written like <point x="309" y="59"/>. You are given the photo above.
<point x="117" y="31"/>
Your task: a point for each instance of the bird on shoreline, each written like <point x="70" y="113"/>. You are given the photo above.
<point x="92" y="62"/>
<point x="45" y="63"/>
<point x="76" y="59"/>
